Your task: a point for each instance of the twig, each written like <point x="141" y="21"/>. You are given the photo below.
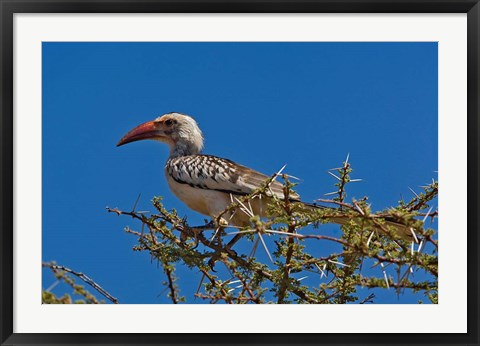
<point x="173" y="292"/>
<point x="368" y="299"/>
<point x="290" y="246"/>
<point x="84" y="278"/>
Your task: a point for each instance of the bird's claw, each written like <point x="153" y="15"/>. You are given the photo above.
<point x="195" y="244"/>
<point x="211" y="263"/>
<point x="209" y="225"/>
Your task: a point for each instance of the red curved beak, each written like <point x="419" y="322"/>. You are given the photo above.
<point x="147" y="130"/>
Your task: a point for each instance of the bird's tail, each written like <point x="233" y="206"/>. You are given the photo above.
<point x="387" y="223"/>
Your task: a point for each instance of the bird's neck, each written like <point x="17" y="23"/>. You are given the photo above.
<point x="182" y="148"/>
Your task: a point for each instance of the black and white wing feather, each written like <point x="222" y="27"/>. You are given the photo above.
<point x="214" y="173"/>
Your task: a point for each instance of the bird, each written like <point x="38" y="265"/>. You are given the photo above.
<point x="209" y="184"/>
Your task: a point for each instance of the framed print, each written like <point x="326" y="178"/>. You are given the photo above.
<point x="278" y="172"/>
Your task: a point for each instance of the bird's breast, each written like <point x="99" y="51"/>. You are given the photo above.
<point x="204" y="201"/>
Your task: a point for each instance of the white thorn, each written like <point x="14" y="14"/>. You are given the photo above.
<point x="233" y="282"/>
<point x="420" y="246"/>
<point x="385" y="275"/>
<point x="333" y="175"/>
<point x="414" y="193"/>
<point x="245" y="209"/>
<point x="242" y="232"/>
<point x="414" y="235"/>
<point x="215" y="234"/>
<point x="339" y="263"/>
<point x="279" y="172"/>
<point x="358" y="208"/>
<point x="428" y="213"/>
<point x="231" y="216"/>
<point x="321" y="271"/>
<point x="293" y="177"/>
<point x="265" y="246"/>
<point x="370" y="238"/>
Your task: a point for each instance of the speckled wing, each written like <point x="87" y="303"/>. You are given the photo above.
<point x="215" y="173"/>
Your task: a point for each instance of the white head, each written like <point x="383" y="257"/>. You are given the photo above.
<point x="179" y="131"/>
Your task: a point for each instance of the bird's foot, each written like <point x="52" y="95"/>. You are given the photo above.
<point x="194" y="231"/>
<point x="211" y="263"/>
<point x="209" y="225"/>
<point x="222" y="250"/>
<point x="191" y="232"/>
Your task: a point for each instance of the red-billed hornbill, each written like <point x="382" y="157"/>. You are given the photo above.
<point x="208" y="184"/>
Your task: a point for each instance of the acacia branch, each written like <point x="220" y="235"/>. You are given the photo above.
<point x="173" y="291"/>
<point x="291" y="230"/>
<point x="84" y="278"/>
<point x="383" y="246"/>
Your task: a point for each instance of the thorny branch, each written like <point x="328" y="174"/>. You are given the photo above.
<point x="57" y="269"/>
<point x="290" y="246"/>
<point x="171" y="285"/>
<point x="365" y="258"/>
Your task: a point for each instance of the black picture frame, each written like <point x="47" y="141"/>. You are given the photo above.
<point x="10" y="7"/>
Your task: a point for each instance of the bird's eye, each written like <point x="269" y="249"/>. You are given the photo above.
<point x="169" y="122"/>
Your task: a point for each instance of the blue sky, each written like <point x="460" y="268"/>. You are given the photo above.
<point x="263" y="105"/>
